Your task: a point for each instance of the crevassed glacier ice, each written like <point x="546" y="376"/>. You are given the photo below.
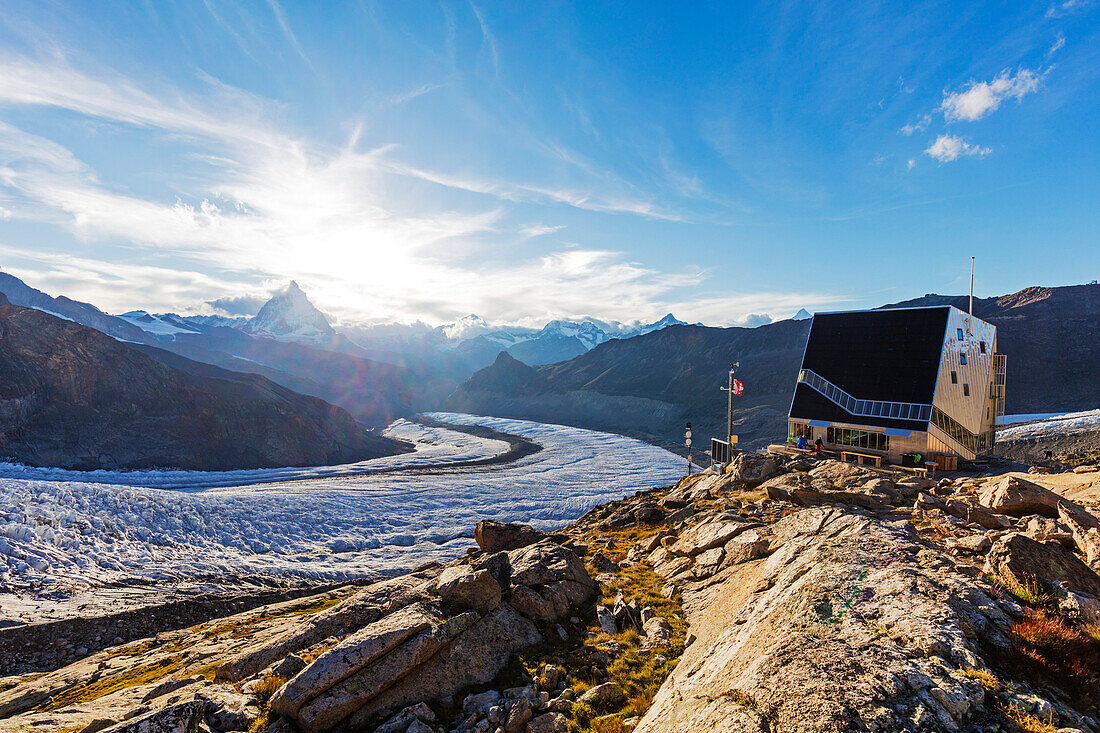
<point x="320" y="523"/>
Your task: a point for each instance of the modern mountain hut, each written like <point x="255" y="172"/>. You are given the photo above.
<point x="906" y="384"/>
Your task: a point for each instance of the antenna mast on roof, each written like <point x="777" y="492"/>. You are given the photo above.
<point x="971" y="286"/>
<point x="970" y="309"/>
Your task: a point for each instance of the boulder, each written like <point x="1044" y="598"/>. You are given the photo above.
<point x="607" y="696"/>
<point x="1087" y="540"/>
<point x="746" y="546"/>
<point x="184" y="717"/>
<point x="1022" y="559"/>
<point x="606" y="620"/>
<point x="480" y="703"/>
<point x="705" y="535"/>
<point x="291" y="665"/>
<point x="365" y="607"/>
<point x="497" y="566"/>
<point x="603" y="563"/>
<point x="227" y="710"/>
<point x="883" y="488"/>
<point x="912" y="485"/>
<point x="352" y="654"/>
<point x="973" y="543"/>
<point x="413" y="718"/>
<point x="493" y="536"/>
<point x="545" y="562"/>
<point x="627" y="615"/>
<point x="338" y="701"/>
<point x="1017" y="497"/>
<point x="751" y="469"/>
<point x="681" y="514"/>
<point x="1075" y="605"/>
<point x="846" y="627"/>
<point x="551" y="602"/>
<point x="841" y="474"/>
<point x="657" y="633"/>
<point x="812" y="497"/>
<point x="519" y="713"/>
<point x="707" y="563"/>
<point x="648" y="515"/>
<point x="463" y="587"/>
<point x="968" y="510"/>
<point x="549" y="723"/>
<point x="474" y="657"/>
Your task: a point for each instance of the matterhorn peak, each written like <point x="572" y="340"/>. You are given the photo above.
<point x="802" y="315"/>
<point x="290" y="316"/>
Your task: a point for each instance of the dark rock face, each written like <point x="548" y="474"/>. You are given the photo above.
<point x="493" y="536"/>
<point x="73" y="397"/>
<point x="1023" y="559"/>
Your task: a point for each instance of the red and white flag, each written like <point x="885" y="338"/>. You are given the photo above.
<point x="738" y="388"/>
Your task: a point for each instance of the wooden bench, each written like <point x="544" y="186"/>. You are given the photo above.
<point x="860" y="456"/>
<point x="914" y="470"/>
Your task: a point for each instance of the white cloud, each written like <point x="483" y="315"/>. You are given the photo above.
<point x="1058" y="10"/>
<point x="911" y="164"/>
<point x="978" y="99"/>
<point x="917" y="126"/>
<point x="539" y="230"/>
<point x="947" y="148"/>
<point x="752" y="320"/>
<point x="735" y="309"/>
<point x="268" y="206"/>
<point x="1057" y="46"/>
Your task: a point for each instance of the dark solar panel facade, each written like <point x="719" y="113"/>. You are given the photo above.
<point x="886" y="355"/>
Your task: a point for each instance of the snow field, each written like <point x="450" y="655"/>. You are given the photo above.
<point x="1073" y="422"/>
<point x="61" y="535"/>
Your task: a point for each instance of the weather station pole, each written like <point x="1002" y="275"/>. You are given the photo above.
<point x="729" y="406"/>
<point x="733" y="389"/>
<point x="687" y="442"/>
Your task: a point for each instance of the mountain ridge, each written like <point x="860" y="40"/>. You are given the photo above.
<point x="73" y="397"/>
<point x="1047" y="333"/>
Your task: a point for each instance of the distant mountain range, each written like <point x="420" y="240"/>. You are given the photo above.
<point x="377" y="373"/>
<point x="74" y="397"/>
<point x="650" y="386"/>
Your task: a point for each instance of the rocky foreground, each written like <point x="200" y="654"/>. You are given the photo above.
<point x="787" y="594"/>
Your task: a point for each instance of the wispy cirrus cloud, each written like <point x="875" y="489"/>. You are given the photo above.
<point x="1066" y="7"/>
<point x="270" y="206"/>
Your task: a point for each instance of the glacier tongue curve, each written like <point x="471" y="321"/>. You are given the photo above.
<point x="61" y="536"/>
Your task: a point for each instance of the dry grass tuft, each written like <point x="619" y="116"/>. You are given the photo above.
<point x="1028" y="723"/>
<point x="988" y="680"/>
<point x="1028" y="592"/>
<point x="140" y="675"/>
<point x="268" y="686"/>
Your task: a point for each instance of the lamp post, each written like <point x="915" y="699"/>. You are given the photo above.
<point x="687" y="442"/>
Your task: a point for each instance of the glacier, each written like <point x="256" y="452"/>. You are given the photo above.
<point x="62" y="531"/>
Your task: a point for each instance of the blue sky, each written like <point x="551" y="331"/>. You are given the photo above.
<point x="525" y="161"/>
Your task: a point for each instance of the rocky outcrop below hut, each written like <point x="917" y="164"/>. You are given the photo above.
<point x="782" y="594"/>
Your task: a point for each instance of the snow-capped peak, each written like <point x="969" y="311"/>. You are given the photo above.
<point x="668" y="320"/>
<point x="289" y="315"/>
<point x="466" y="327"/>
<point x="588" y="333"/>
<point x="802" y="315"/>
